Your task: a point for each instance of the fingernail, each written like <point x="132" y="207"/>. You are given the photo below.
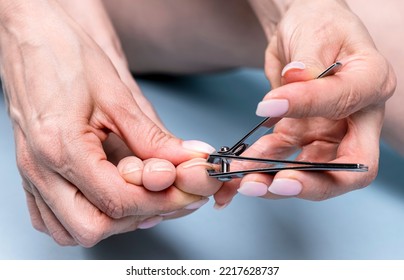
<point x="198" y="146"/>
<point x="169" y="213"/>
<point x="150" y="222"/>
<point x="294" y="65"/>
<point x="130" y="168"/>
<point x="197" y="162"/>
<point x="253" y="189"/>
<point x="218" y="206"/>
<point x="160" y="167"/>
<point x="197" y="204"/>
<point x="286" y="187"/>
<point x="272" y="108"/>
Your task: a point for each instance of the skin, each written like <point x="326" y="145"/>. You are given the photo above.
<point x="69" y="161"/>
<point x="333" y="119"/>
<point x="383" y="29"/>
<point x="353" y="114"/>
<point x="74" y="191"/>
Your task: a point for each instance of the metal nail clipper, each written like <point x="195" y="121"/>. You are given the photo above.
<point x="223" y="158"/>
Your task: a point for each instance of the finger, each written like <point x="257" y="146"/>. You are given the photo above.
<point x="193" y="178"/>
<point x="67" y="212"/>
<point x="144" y="137"/>
<point x="101" y="183"/>
<point x="273" y="146"/>
<point x="176" y="214"/>
<point x="158" y="174"/>
<point x="54" y="228"/>
<point x="333" y="97"/>
<point x="34" y="213"/>
<point x="88" y="225"/>
<point x="360" y="139"/>
<point x="273" y="65"/>
<point x="155" y="175"/>
<point x="257" y="184"/>
<point x="131" y="169"/>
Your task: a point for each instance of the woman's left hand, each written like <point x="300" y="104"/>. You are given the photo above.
<point x="333" y="119"/>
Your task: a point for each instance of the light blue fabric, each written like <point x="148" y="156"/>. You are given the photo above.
<point x="364" y="224"/>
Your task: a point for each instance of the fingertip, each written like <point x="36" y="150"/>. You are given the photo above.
<point x="273" y="108"/>
<point x="131" y="169"/>
<point x="150" y="222"/>
<point x="198" y="146"/>
<point x="192" y="177"/>
<point x="225" y="194"/>
<point x="293" y="66"/>
<point x="158" y="174"/>
<point x="285" y="187"/>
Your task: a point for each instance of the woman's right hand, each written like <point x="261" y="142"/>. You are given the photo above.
<point x="64" y="97"/>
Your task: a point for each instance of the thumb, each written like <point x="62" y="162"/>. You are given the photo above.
<point x="300" y="71"/>
<point x="147" y="140"/>
<point x="301" y="66"/>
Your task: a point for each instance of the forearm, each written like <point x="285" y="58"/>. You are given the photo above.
<point x="22" y="25"/>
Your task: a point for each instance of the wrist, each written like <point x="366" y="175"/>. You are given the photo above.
<point x="25" y="21"/>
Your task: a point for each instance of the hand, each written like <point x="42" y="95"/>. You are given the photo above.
<point x="333" y="119"/>
<point x="161" y="176"/>
<point x="64" y="97"/>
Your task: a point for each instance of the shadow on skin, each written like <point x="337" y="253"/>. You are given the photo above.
<point x="137" y="245"/>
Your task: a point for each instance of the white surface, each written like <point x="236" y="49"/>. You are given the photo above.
<point x="365" y="224"/>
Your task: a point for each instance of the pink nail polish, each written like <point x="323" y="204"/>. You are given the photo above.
<point x="272" y="108"/>
<point x="198" y="146"/>
<point x="285" y="187"/>
<point x="150" y="222"/>
<point x="294" y="65"/>
<point x="218" y="206"/>
<point x="169" y="213"/>
<point x="197" y="204"/>
<point x="253" y="189"/>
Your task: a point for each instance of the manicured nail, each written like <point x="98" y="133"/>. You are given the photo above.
<point x="272" y="108"/>
<point x="169" y="213"/>
<point x="253" y="189"/>
<point x="131" y="167"/>
<point x="218" y="206"/>
<point x="150" y="222"/>
<point x="196" y="205"/>
<point x="294" y="65"/>
<point x="286" y="187"/>
<point x="198" y="146"/>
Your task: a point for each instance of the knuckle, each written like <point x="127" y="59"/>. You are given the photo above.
<point x="324" y="194"/>
<point x="371" y="175"/>
<point x="62" y="237"/>
<point x="89" y="236"/>
<point x="38" y="225"/>
<point x="113" y="207"/>
<point x="47" y="144"/>
<point x="24" y="162"/>
<point x="157" y="139"/>
<point x="346" y="104"/>
<point x="389" y="85"/>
